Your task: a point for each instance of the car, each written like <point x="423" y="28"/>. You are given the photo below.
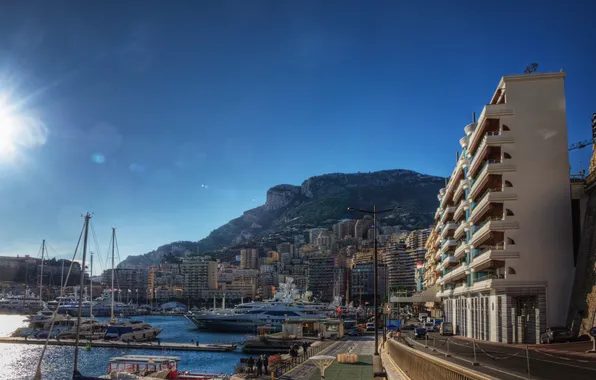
<point x="556" y="334"/>
<point x="355" y="332"/>
<point x="446" y="328"/>
<point x="420" y="333"/>
<point x="370" y="327"/>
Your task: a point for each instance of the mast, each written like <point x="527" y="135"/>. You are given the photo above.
<point x="62" y="275"/>
<point x="113" y="295"/>
<point x="76" y="357"/>
<point x="43" y="247"/>
<point x="91" y="288"/>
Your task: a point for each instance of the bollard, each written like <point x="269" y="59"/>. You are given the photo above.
<point x="447" y="354"/>
<point x="434" y="344"/>
<point x="475" y="363"/>
<point x="528" y="361"/>
<point x="425" y="341"/>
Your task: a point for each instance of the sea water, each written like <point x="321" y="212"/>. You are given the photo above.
<point x="18" y="361"/>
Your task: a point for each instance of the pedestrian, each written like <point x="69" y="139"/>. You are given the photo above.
<point x="266" y="363"/>
<point x="304" y="348"/>
<point x="259" y="366"/>
<point x="250" y="363"/>
<point x="192" y="341"/>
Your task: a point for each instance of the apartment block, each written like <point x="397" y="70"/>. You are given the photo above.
<point x="504" y="251"/>
<point x="200" y="276"/>
<point x="249" y="258"/>
<point x="417" y="238"/>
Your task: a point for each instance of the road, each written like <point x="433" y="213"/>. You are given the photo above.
<point x="509" y="362"/>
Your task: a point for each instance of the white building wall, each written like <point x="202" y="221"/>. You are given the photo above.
<point x="541" y="182"/>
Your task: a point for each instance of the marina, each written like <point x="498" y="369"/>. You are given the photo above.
<point x="169" y="346"/>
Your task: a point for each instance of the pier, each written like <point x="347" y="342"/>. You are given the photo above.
<point x="123" y="345"/>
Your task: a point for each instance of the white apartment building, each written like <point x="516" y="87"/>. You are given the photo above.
<point x="504" y="252"/>
<point x="200" y="276"/>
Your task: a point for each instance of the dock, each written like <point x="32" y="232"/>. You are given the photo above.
<point x="124" y="345"/>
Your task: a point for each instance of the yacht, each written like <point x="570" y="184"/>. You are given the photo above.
<point x="286" y="305"/>
<point x="131" y="331"/>
<point x="42" y="323"/>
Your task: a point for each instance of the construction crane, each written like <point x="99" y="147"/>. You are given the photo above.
<point x="585" y="143"/>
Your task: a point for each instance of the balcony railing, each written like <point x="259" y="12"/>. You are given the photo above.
<point x="591" y="178"/>
<point x="486" y="277"/>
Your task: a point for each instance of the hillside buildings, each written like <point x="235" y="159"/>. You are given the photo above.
<point x="502" y="243"/>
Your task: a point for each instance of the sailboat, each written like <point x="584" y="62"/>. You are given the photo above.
<point x="127" y="330"/>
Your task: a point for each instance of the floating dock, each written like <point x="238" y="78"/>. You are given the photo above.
<point x="123" y="345"/>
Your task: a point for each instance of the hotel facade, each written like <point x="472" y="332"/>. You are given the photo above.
<point x="501" y="249"/>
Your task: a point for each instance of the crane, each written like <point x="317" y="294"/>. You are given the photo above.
<point x="585" y="143"/>
<point x="581" y="144"/>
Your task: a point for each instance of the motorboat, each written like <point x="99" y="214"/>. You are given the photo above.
<point x="146" y="366"/>
<point x="129" y="331"/>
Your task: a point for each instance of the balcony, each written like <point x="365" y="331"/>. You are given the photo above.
<point x="490" y="111"/>
<point x="482" y="231"/>
<point x="490" y="167"/>
<point x="459" y="190"/>
<point x="499" y="195"/>
<point x="455" y="274"/>
<point x="461" y="230"/>
<point x="464" y="141"/>
<point x="448" y="245"/>
<point x="438" y="213"/>
<point x="450" y="226"/>
<point x="445" y="216"/>
<point x="447" y="261"/>
<point x="437" y="255"/>
<point x="438" y="241"/>
<point x="461" y="249"/>
<point x="459" y="210"/>
<point x="486" y="255"/>
<point x="470" y="128"/>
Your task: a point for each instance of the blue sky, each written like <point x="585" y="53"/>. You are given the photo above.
<point x="168" y="121"/>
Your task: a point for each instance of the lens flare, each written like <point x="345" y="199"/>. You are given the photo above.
<point x="18" y="129"/>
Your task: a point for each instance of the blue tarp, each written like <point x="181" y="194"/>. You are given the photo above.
<point x="393" y="324"/>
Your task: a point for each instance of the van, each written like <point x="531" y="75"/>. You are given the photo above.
<point x="446" y="328"/>
<point x="422" y="317"/>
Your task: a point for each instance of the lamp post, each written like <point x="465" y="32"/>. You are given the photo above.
<point x="374" y="213"/>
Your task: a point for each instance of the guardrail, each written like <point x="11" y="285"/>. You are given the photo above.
<point x="421" y="366"/>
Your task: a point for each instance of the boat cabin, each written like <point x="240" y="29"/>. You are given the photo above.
<point x="143" y="364"/>
<point x="328" y="328"/>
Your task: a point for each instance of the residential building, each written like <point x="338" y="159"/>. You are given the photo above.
<point x="324" y="277"/>
<point x="200" y="276"/>
<point x="249" y="258"/>
<point x="432" y="246"/>
<point x="417" y="238"/>
<point x="362" y="227"/>
<point x="362" y="283"/>
<point x="504" y="218"/>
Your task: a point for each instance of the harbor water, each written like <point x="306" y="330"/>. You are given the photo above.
<point x="18" y="361"/>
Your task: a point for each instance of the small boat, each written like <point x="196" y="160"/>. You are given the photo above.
<point x="146" y="366"/>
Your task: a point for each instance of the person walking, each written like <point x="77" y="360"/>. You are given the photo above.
<point x="259" y="366"/>
<point x="266" y="363"/>
<point x="250" y="363"/>
<point x="304" y="348"/>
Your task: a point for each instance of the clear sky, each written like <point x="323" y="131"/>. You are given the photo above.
<point x="167" y="119"/>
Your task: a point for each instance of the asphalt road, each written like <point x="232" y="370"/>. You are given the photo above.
<point x="505" y="362"/>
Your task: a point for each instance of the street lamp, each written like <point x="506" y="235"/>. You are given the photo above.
<point x="374" y="213"/>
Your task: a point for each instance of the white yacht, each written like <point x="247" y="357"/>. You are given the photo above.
<point x="286" y="305"/>
<point x="132" y="331"/>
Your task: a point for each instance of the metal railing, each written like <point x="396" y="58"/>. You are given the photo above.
<point x="420" y="366"/>
<point x="285" y="366"/>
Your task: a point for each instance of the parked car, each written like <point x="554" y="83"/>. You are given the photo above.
<point x="419" y="333"/>
<point x="370" y="327"/>
<point x="556" y="334"/>
<point x="446" y="328"/>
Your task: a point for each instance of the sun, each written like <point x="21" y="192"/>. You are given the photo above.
<point x="7" y="133"/>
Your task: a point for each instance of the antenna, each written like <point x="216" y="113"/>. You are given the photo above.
<point x="473" y="117"/>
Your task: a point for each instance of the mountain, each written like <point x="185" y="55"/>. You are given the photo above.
<point x="319" y="202"/>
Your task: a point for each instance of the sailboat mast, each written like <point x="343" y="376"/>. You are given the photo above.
<point x="76" y="357"/>
<point x="113" y="292"/>
<point x="43" y="248"/>
<point x="91" y="287"/>
<point x="62" y="276"/>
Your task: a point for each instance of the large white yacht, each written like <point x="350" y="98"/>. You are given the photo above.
<point x="286" y="305"/>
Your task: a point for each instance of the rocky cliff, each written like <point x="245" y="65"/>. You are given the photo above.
<point x="321" y="201"/>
